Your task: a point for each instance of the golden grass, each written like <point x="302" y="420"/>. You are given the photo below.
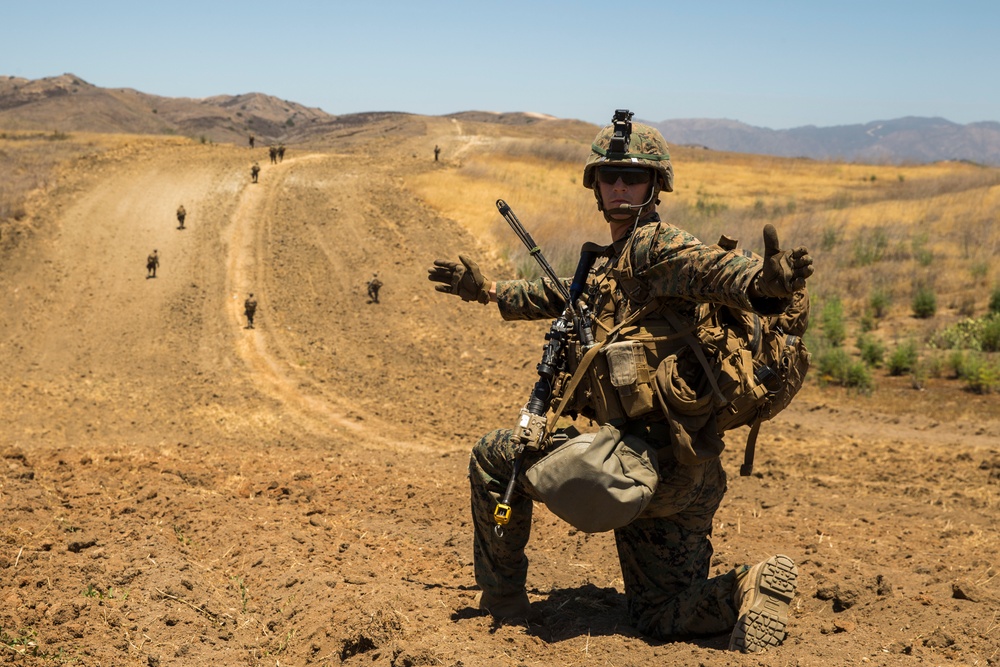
<point x="544" y="195"/>
<point x="887" y="227"/>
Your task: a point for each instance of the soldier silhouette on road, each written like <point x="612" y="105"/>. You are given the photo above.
<point x="152" y="262"/>
<point x="250" y="309"/>
<point x="254" y="170"/>
<point x="181" y="214"/>
<point x="437" y="151"/>
<point x="374" y="285"/>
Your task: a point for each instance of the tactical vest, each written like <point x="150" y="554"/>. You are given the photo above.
<point x="693" y="370"/>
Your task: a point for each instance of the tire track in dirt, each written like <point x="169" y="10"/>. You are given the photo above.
<point x="315" y="408"/>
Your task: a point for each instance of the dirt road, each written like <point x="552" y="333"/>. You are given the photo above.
<point x="180" y="490"/>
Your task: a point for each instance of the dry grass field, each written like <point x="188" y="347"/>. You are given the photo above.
<point x="879" y="234"/>
<point x="178" y="489"/>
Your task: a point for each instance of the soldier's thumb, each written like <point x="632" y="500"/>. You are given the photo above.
<point x="469" y="264"/>
<point x="770" y="241"/>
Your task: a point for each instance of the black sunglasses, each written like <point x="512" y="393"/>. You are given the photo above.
<point x="629" y="175"/>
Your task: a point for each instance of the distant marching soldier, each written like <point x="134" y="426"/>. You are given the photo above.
<point x="281" y="152"/>
<point x="181" y="214"/>
<point x="250" y="309"/>
<point x="273" y="153"/>
<point x="152" y="261"/>
<point x="373" y="287"/>
<point x="252" y="140"/>
<point x="254" y="170"/>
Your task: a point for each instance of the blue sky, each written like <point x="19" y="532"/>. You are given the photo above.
<point x="776" y="64"/>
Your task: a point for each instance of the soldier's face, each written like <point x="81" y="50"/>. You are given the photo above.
<point x="621" y="188"/>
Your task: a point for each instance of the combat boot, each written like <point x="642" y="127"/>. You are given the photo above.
<point x="762" y="596"/>
<point x="507" y="608"/>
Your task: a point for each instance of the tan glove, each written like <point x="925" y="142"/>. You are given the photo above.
<point x="784" y="271"/>
<point x="465" y="279"/>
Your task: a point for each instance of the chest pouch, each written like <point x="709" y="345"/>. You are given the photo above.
<point x="629" y="374"/>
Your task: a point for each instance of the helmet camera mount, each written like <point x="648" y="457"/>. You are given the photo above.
<point x="622" y="122"/>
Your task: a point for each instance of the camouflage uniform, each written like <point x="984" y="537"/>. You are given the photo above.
<point x="250" y="309"/>
<point x="152" y="263"/>
<point x="665" y="553"/>
<point x="374" y="285"/>
<point x="656" y="279"/>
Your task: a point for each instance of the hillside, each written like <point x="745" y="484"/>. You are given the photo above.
<point x="897" y="141"/>
<point x="181" y="490"/>
<point x="67" y="103"/>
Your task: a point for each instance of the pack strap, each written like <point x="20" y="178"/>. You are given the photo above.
<point x="747" y="468"/>
<point x="695" y="346"/>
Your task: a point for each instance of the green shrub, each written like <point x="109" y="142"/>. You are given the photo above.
<point x="995" y="300"/>
<point x="872" y="350"/>
<point x="859" y="378"/>
<point x="980" y="374"/>
<point x="832" y="321"/>
<point x="832" y="364"/>
<point x="921" y="252"/>
<point x="879" y="301"/>
<point x="956" y="359"/>
<point x="980" y="334"/>
<point x="903" y="359"/>
<point x="835" y="366"/>
<point x="924" y="302"/>
<point x="991" y="333"/>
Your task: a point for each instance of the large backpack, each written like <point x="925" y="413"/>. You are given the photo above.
<point x="752" y="366"/>
<point x="731" y="368"/>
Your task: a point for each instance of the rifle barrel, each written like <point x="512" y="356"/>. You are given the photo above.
<point x="533" y="249"/>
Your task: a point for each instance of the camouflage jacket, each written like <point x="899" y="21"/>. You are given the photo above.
<point x="672" y="266"/>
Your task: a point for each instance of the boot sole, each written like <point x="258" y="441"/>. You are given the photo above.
<point x="763" y="626"/>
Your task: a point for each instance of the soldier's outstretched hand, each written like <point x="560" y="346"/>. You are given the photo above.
<point x="464" y="279"/>
<point x="784" y="271"/>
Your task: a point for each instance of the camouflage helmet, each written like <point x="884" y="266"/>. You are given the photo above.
<point x="646" y="148"/>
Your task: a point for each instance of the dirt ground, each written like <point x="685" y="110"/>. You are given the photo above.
<point x="178" y="489"/>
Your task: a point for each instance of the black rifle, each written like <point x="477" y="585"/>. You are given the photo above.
<point x="532" y="421"/>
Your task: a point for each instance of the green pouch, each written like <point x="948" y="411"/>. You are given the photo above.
<point x="597" y="481"/>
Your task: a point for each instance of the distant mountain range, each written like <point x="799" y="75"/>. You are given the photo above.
<point x="909" y="139"/>
<point x="67" y="103"/>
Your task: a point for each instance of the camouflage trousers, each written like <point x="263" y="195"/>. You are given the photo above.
<point x="664" y="554"/>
